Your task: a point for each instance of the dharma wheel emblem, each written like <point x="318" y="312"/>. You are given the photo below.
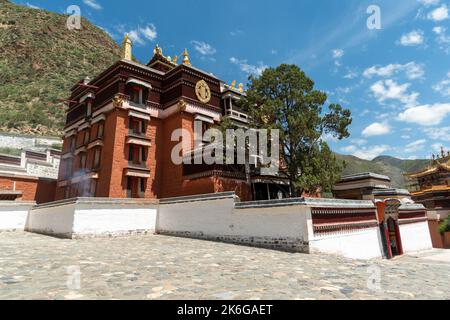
<point x="203" y="92"/>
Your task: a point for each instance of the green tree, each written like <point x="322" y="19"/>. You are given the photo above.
<point x="284" y="98"/>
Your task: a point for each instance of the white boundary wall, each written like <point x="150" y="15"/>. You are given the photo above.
<point x="364" y="244"/>
<point x="13" y="214"/>
<point x="415" y="237"/>
<point x="83" y="217"/>
<point x="216" y="217"/>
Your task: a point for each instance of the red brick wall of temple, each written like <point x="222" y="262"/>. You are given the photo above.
<point x="33" y="189"/>
<point x="436" y="238"/>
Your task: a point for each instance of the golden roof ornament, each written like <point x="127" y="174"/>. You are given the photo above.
<point x="175" y="59"/>
<point x="157" y="50"/>
<point x="127" y="46"/>
<point x="241" y="87"/>
<point x="182" y="105"/>
<point x="233" y="84"/>
<point x="186" y="60"/>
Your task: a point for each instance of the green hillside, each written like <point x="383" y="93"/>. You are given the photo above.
<point x="40" y="60"/>
<point x="390" y="166"/>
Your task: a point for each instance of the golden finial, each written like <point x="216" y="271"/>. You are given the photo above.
<point x="233" y="84"/>
<point x="241" y="87"/>
<point x="157" y="50"/>
<point x="186" y="60"/>
<point x="127" y="48"/>
<point x="182" y="105"/>
<point x="175" y="59"/>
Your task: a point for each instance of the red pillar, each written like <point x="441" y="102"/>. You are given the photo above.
<point x="388" y="241"/>
<point x="399" y="238"/>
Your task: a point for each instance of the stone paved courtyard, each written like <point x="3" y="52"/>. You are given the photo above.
<point x="159" y="267"/>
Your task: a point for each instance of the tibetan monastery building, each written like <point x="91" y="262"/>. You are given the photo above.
<point x="431" y="187"/>
<point x="117" y="141"/>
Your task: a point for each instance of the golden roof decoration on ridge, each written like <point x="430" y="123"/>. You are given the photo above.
<point x="186" y="60"/>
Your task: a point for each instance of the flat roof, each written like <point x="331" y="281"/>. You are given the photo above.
<point x="365" y="175"/>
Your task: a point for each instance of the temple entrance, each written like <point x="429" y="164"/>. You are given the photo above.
<point x="394" y="237"/>
<point x="388" y="215"/>
<point x="270" y="191"/>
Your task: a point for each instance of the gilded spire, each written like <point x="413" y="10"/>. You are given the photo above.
<point x="233" y="84"/>
<point x="157" y="50"/>
<point x="241" y="87"/>
<point x="186" y="60"/>
<point x="127" y="46"/>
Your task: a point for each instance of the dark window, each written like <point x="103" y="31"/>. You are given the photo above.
<point x="130" y="153"/>
<point x="96" y="159"/>
<point x="100" y="131"/>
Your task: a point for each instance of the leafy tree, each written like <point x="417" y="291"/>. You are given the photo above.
<point x="284" y="98"/>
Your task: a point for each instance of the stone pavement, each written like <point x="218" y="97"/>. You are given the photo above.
<point x="159" y="267"/>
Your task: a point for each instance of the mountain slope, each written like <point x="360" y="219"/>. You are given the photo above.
<point x="390" y="166"/>
<point x="40" y="60"/>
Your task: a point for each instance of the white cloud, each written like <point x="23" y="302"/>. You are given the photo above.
<point x="414" y="38"/>
<point x="439" y="14"/>
<point x="376" y="129"/>
<point x="367" y="153"/>
<point x="412" y="70"/>
<point x="415" y="146"/>
<point x="139" y="35"/>
<point x="248" y="68"/>
<point x="443" y="86"/>
<point x="438" y="133"/>
<point x="428" y="3"/>
<point x="236" y="32"/>
<point x="426" y="115"/>
<point x="203" y="48"/>
<point x="149" y="32"/>
<point x="32" y="6"/>
<point x="442" y="38"/>
<point x="351" y="74"/>
<point x="359" y="141"/>
<point x="338" y="53"/>
<point x="93" y="4"/>
<point x="388" y="89"/>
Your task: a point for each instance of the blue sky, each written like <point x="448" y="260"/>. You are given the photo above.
<point x="396" y="80"/>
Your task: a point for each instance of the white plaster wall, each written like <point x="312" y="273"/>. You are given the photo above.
<point x="39" y="170"/>
<point x="415" y="237"/>
<point x="274" y="222"/>
<point x="92" y="219"/>
<point x="113" y="219"/>
<point x="209" y="217"/>
<point x="20" y="142"/>
<point x="57" y="220"/>
<point x="13" y="216"/>
<point x="220" y="218"/>
<point x="365" y="244"/>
